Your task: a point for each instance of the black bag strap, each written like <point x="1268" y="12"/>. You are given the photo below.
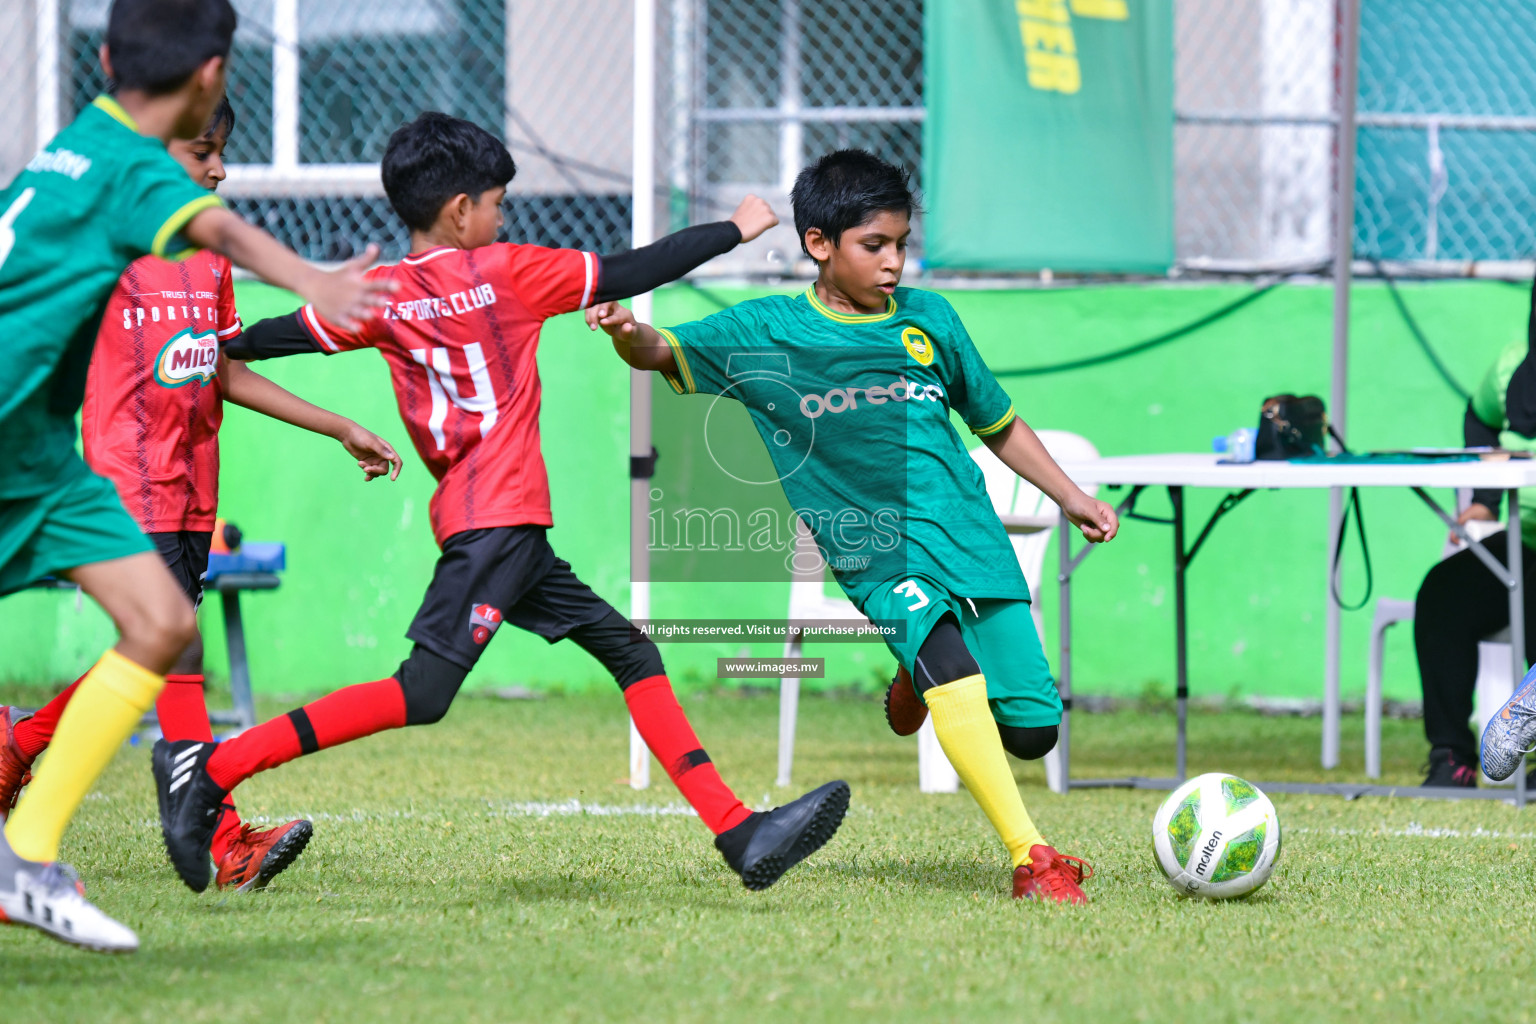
<point x="1351" y="505"/>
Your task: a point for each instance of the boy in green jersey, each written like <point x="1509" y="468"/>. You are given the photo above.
<point x="850" y="384"/>
<point x="101" y="194"/>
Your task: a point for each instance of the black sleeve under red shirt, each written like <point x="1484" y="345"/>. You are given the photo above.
<point x="618" y="276"/>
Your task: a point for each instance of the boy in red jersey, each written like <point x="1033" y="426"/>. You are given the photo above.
<point x="154" y="399"/>
<point x="461" y="336"/>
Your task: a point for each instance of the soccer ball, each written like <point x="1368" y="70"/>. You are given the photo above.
<point x="1216" y="837"/>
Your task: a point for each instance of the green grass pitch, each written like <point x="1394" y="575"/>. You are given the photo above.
<point x="447" y="883"/>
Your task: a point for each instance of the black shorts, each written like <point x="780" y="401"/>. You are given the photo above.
<point x="185" y="553"/>
<point x="500" y="574"/>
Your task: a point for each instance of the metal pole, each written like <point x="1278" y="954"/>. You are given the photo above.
<point x="47" y="26"/>
<point x="791" y="130"/>
<point x="1338" y="394"/>
<point x="1180" y="630"/>
<point x="643" y="229"/>
<point x="1515" y="560"/>
<point x="285" y="84"/>
<point x="1064" y="648"/>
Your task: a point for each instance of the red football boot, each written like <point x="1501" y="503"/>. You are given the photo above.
<point x="904" y="712"/>
<point x="1049" y="875"/>
<point x="14" y="765"/>
<point x="256" y="856"/>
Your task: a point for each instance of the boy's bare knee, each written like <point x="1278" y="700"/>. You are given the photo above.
<point x="164" y="628"/>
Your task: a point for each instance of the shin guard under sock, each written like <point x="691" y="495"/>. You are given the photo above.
<point x="340" y="717"/>
<point x="666" y="731"/>
<point x="111" y="699"/>
<point x="963" y="721"/>
<point x="34" y="734"/>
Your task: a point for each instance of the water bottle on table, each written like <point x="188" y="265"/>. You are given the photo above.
<point x="1238" y="445"/>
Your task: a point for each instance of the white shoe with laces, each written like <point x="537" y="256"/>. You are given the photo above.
<point x="48" y="897"/>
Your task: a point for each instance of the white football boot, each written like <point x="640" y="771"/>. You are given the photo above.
<point x="47" y="897"/>
<point x="1511" y="734"/>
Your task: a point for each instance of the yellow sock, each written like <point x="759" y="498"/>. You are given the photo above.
<point x="111" y="699"/>
<point x="963" y="722"/>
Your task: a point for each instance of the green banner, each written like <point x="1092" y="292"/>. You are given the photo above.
<point x="1049" y="134"/>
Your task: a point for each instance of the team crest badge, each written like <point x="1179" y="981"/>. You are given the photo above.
<point x="483" y="621"/>
<point x="918" y="345"/>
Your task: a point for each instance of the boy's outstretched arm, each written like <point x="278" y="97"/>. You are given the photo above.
<point x="244" y="386"/>
<point x="343" y="296"/>
<point x="1021" y="451"/>
<point x="639" y="345"/>
<point x="625" y="274"/>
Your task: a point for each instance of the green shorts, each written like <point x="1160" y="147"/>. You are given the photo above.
<point x="999" y="633"/>
<point x="78" y="522"/>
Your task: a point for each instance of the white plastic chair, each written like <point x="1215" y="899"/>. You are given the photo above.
<point x="1495" y="678"/>
<point x="1027" y="515"/>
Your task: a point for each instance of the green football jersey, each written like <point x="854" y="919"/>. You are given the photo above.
<point x="96" y="198"/>
<point x="854" y="411"/>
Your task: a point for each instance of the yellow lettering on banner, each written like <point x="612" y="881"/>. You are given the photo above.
<point x="1038" y="36"/>
<point x="1049" y="47"/>
<point x="1104" y="10"/>
<point x="1043" y="10"/>
<point x="1053" y="72"/>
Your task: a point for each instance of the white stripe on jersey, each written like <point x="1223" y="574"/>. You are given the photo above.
<point x="586" y="294"/>
<point x="234" y="328"/>
<point x="319" y="332"/>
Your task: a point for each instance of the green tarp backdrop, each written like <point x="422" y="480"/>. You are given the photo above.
<point x="1048" y="140"/>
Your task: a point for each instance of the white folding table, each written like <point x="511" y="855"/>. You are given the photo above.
<point x="1178" y="471"/>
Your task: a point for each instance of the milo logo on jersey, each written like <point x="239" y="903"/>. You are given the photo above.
<point x="189" y="356"/>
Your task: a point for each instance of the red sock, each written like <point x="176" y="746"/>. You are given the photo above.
<point x="183" y="714"/>
<point x="347" y="714"/>
<point x="666" y="731"/>
<point x="34" y="734"/>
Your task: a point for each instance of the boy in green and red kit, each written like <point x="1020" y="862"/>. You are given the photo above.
<point x="870" y="461"/>
<point x="101" y="194"/>
<point x="154" y="401"/>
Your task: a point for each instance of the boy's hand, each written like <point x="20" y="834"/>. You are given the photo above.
<point x="374" y="455"/>
<point x="613" y="318"/>
<point x="345" y="296"/>
<point x="1094" y="518"/>
<point x="753" y="217"/>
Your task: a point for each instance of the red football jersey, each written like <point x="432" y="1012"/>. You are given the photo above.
<point x="153" y="398"/>
<point x="461" y="336"/>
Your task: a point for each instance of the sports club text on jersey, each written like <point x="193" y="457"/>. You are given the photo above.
<point x="171" y="307"/>
<point x="431" y="307"/>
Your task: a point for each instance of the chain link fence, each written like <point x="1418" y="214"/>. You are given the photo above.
<point x="747" y="91"/>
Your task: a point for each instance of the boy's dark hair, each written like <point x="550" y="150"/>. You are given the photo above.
<point x="156" y="45"/>
<point x="433" y="159"/>
<point x="223" y="120"/>
<point x="846" y="188"/>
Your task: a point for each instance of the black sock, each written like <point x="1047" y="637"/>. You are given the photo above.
<point x="733" y="841"/>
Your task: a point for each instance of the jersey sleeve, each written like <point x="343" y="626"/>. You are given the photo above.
<point x="155" y="201"/>
<point x="550" y="281"/>
<point x="329" y="338"/>
<point x="703" y="349"/>
<point x="228" y="317"/>
<point x="973" y="391"/>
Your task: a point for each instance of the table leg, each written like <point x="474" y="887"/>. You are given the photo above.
<point x="1330" y="753"/>
<point x="1180" y="629"/>
<point x="239" y="667"/>
<point x="1516" y="564"/>
<point x="1064" y="649"/>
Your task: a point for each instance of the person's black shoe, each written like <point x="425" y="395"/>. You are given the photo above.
<point x="768" y="844"/>
<point x="190" y="804"/>
<point x="1445" y="768"/>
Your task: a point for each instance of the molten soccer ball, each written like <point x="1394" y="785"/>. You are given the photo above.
<point x="1216" y="836"/>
